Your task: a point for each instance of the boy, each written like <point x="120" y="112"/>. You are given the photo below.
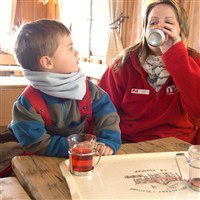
<point x="45" y="50"/>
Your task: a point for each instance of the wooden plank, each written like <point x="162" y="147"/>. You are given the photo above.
<point x="7" y="59"/>
<point x="159" y="145"/>
<point x="11" y="189"/>
<point x="42" y="178"/>
<point x="8" y="97"/>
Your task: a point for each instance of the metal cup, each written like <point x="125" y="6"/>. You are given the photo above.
<point x="156" y="37"/>
<point x="82" y="148"/>
<point x="193" y="160"/>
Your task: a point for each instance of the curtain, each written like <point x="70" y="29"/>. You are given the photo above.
<point x="193" y="10"/>
<point x="13" y="11"/>
<point x="52" y="9"/>
<point x="114" y="46"/>
<point x="132" y="27"/>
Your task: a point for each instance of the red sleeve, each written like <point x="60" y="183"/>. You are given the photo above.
<point x="185" y="72"/>
<point x="112" y="83"/>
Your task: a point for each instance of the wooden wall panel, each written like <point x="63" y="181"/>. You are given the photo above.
<point x="7" y="97"/>
<point x="30" y="10"/>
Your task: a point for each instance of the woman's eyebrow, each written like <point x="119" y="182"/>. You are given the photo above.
<point x="70" y="44"/>
<point x="170" y="17"/>
<point x="154" y="18"/>
<point x="159" y="17"/>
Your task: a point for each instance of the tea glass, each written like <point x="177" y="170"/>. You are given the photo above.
<point x="82" y="148"/>
<point x="193" y="161"/>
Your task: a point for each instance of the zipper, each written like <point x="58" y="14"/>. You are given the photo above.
<point x="157" y="96"/>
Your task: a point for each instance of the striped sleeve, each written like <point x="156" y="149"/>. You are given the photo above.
<point x="106" y="119"/>
<point x="29" y="128"/>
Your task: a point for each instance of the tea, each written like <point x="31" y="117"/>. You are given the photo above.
<point x="81" y="151"/>
<point x="82" y="159"/>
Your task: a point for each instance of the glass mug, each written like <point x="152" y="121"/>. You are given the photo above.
<point x="82" y="148"/>
<point x="193" y="161"/>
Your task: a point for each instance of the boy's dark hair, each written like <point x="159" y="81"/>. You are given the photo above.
<point x="37" y="39"/>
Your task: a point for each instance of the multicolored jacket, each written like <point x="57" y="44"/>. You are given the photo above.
<point x="34" y="136"/>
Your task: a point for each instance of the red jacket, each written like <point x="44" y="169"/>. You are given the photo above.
<point x="146" y="114"/>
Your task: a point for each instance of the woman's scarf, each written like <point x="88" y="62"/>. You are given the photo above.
<point x="157" y="73"/>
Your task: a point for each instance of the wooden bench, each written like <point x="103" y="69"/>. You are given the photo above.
<point x="11" y="189"/>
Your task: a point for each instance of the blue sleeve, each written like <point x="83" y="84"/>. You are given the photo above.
<point x="103" y="106"/>
<point x="103" y="109"/>
<point x="58" y="146"/>
<point x="110" y="138"/>
<point x="32" y="134"/>
<point x="28" y="132"/>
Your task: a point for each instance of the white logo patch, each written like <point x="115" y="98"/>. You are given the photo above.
<point x="140" y="91"/>
<point x="172" y="89"/>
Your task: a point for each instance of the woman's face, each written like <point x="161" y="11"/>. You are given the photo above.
<point x="159" y="16"/>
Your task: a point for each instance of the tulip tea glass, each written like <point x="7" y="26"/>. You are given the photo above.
<point x="82" y="148"/>
<point x="193" y="161"/>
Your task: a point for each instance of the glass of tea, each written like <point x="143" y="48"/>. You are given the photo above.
<point x="82" y="148"/>
<point x="193" y="161"/>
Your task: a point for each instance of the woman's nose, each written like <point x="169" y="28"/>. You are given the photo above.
<point x="161" y="23"/>
<point x="76" y="53"/>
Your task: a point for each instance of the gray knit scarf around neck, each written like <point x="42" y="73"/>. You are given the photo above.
<point x="156" y="70"/>
<point x="68" y="86"/>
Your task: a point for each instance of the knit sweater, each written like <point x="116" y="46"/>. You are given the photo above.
<point x="146" y="114"/>
<point x="32" y="134"/>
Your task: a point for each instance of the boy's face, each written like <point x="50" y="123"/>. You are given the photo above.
<point x="65" y="58"/>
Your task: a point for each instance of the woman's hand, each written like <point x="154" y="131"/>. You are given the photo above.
<point x="173" y="36"/>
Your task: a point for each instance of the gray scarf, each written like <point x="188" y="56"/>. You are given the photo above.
<point x="68" y="86"/>
<point x="157" y="73"/>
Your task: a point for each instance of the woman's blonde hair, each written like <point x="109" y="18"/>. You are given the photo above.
<point x="141" y="48"/>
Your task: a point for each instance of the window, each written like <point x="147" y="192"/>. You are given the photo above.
<point x="5" y="24"/>
<point x="89" y="25"/>
<point x="100" y="29"/>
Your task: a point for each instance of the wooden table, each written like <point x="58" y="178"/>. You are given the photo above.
<point x="12" y="190"/>
<point x="42" y="179"/>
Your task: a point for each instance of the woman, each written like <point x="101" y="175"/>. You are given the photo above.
<point x="156" y="89"/>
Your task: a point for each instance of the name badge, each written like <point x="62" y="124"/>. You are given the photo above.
<point x="140" y="91"/>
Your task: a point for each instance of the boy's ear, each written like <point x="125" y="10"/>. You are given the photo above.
<point x="46" y="62"/>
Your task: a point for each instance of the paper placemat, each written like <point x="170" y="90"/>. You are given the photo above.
<point x="132" y="176"/>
